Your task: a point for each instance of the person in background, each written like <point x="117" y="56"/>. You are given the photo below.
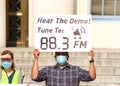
<point x="62" y="74"/>
<point x="8" y="74"/>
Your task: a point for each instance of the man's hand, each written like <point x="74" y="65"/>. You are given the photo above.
<point x="91" y="54"/>
<point x="36" y="53"/>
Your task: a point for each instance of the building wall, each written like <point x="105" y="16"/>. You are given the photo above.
<point x="2" y="23"/>
<point x="104" y="33"/>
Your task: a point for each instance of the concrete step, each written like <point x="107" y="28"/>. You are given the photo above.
<point x="107" y="62"/>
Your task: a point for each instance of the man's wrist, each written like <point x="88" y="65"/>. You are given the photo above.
<point x="91" y="61"/>
<point x="35" y="58"/>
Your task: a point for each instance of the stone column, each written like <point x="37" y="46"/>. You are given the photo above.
<point x="83" y="7"/>
<point x="50" y="7"/>
<point x="2" y="23"/>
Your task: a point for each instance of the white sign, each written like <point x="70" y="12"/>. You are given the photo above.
<point x="63" y="33"/>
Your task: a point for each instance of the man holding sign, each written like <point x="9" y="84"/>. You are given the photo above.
<point x="62" y="74"/>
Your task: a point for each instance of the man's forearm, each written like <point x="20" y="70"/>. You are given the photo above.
<point x="92" y="70"/>
<point x="34" y="69"/>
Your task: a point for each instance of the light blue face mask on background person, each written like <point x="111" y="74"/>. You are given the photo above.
<point x="61" y="59"/>
<point x="6" y="64"/>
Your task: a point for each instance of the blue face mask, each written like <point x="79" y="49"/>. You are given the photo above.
<point x="61" y="59"/>
<point x="6" y="64"/>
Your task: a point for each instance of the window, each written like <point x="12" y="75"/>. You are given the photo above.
<point x="16" y="23"/>
<point x="105" y="8"/>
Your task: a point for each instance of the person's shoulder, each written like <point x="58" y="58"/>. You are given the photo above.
<point x="75" y="66"/>
<point x="50" y="67"/>
<point x="19" y="72"/>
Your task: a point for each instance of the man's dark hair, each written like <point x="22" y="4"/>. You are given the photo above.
<point x="61" y="53"/>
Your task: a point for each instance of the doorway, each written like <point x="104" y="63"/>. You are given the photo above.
<point x="16" y="23"/>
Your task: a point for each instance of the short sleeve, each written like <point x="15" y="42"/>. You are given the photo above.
<point x="42" y="75"/>
<point x="84" y="75"/>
